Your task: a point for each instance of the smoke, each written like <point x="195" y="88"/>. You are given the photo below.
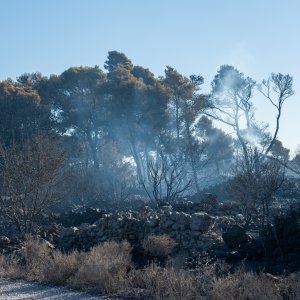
<point x="254" y="136"/>
<point x="241" y="57"/>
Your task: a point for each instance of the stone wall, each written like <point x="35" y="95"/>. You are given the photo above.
<point x="193" y="232"/>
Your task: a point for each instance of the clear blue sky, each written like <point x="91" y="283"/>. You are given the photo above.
<point x="194" y="36"/>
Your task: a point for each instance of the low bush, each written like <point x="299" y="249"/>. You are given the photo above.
<point x="107" y="269"/>
<point x="62" y="267"/>
<point x="104" y="268"/>
<point x="10" y="267"/>
<point x="155" y="282"/>
<point x="36" y="255"/>
<point x="159" y="246"/>
<point x="245" y="285"/>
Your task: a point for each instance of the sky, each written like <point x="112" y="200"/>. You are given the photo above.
<point x="193" y="36"/>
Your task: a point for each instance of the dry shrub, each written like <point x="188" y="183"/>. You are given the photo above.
<point x="104" y="268"/>
<point x="10" y="268"/>
<point x="62" y="267"/>
<point x="44" y="264"/>
<point x="159" y="245"/>
<point x="37" y="257"/>
<point x="178" y="261"/>
<point x="245" y="285"/>
<point x="292" y="286"/>
<point x="205" y="271"/>
<point x="32" y="263"/>
<point x="155" y="282"/>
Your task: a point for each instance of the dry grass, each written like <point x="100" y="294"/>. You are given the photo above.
<point x="159" y="246"/>
<point x="292" y="286"/>
<point x="103" y="268"/>
<point x="44" y="264"/>
<point x="62" y="267"/>
<point x="36" y="254"/>
<point x="10" y="267"/>
<point x="245" y="285"/>
<point x="106" y="268"/>
<point x="155" y="282"/>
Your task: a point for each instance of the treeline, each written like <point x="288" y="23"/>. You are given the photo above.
<point x="123" y="129"/>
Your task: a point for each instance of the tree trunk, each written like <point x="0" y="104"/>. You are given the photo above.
<point x="136" y="160"/>
<point x="93" y="148"/>
<point x="191" y="156"/>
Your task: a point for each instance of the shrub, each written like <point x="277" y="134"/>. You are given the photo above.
<point x="158" y="245"/>
<point x="44" y="264"/>
<point x="62" y="267"/>
<point x="245" y="285"/>
<point x="104" y="268"/>
<point x="10" y="268"/>
<point x="155" y="282"/>
<point x="36" y="254"/>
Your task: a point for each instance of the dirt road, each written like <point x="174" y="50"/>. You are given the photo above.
<point x="17" y="290"/>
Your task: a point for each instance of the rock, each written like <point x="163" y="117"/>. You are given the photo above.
<point x="209" y="202"/>
<point x="234" y="256"/>
<point x="70" y="231"/>
<point x="89" y="215"/>
<point x="218" y="253"/>
<point x="4" y="241"/>
<point x="180" y="218"/>
<point x="201" y="221"/>
<point x="195" y="234"/>
<point x="152" y="222"/>
<point x="234" y="236"/>
<point x="84" y="226"/>
<point x="166" y="208"/>
<point x="166" y="222"/>
<point x="252" y="249"/>
<point x="49" y="245"/>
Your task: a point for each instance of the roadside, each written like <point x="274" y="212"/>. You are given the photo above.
<point x="17" y="289"/>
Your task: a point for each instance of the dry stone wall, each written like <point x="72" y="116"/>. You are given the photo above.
<point x="193" y="232"/>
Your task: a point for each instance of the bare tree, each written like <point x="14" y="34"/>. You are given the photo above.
<point x="277" y="89"/>
<point x="30" y="173"/>
<point x="166" y="180"/>
<point x="254" y="188"/>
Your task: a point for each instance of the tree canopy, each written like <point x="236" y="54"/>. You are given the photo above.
<point x="143" y="119"/>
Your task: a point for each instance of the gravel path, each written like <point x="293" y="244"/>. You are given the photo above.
<point x="17" y="290"/>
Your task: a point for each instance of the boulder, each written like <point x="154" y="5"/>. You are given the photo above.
<point x="234" y="236"/>
<point x="209" y="202"/>
<point x="201" y="221"/>
<point x="180" y="218"/>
